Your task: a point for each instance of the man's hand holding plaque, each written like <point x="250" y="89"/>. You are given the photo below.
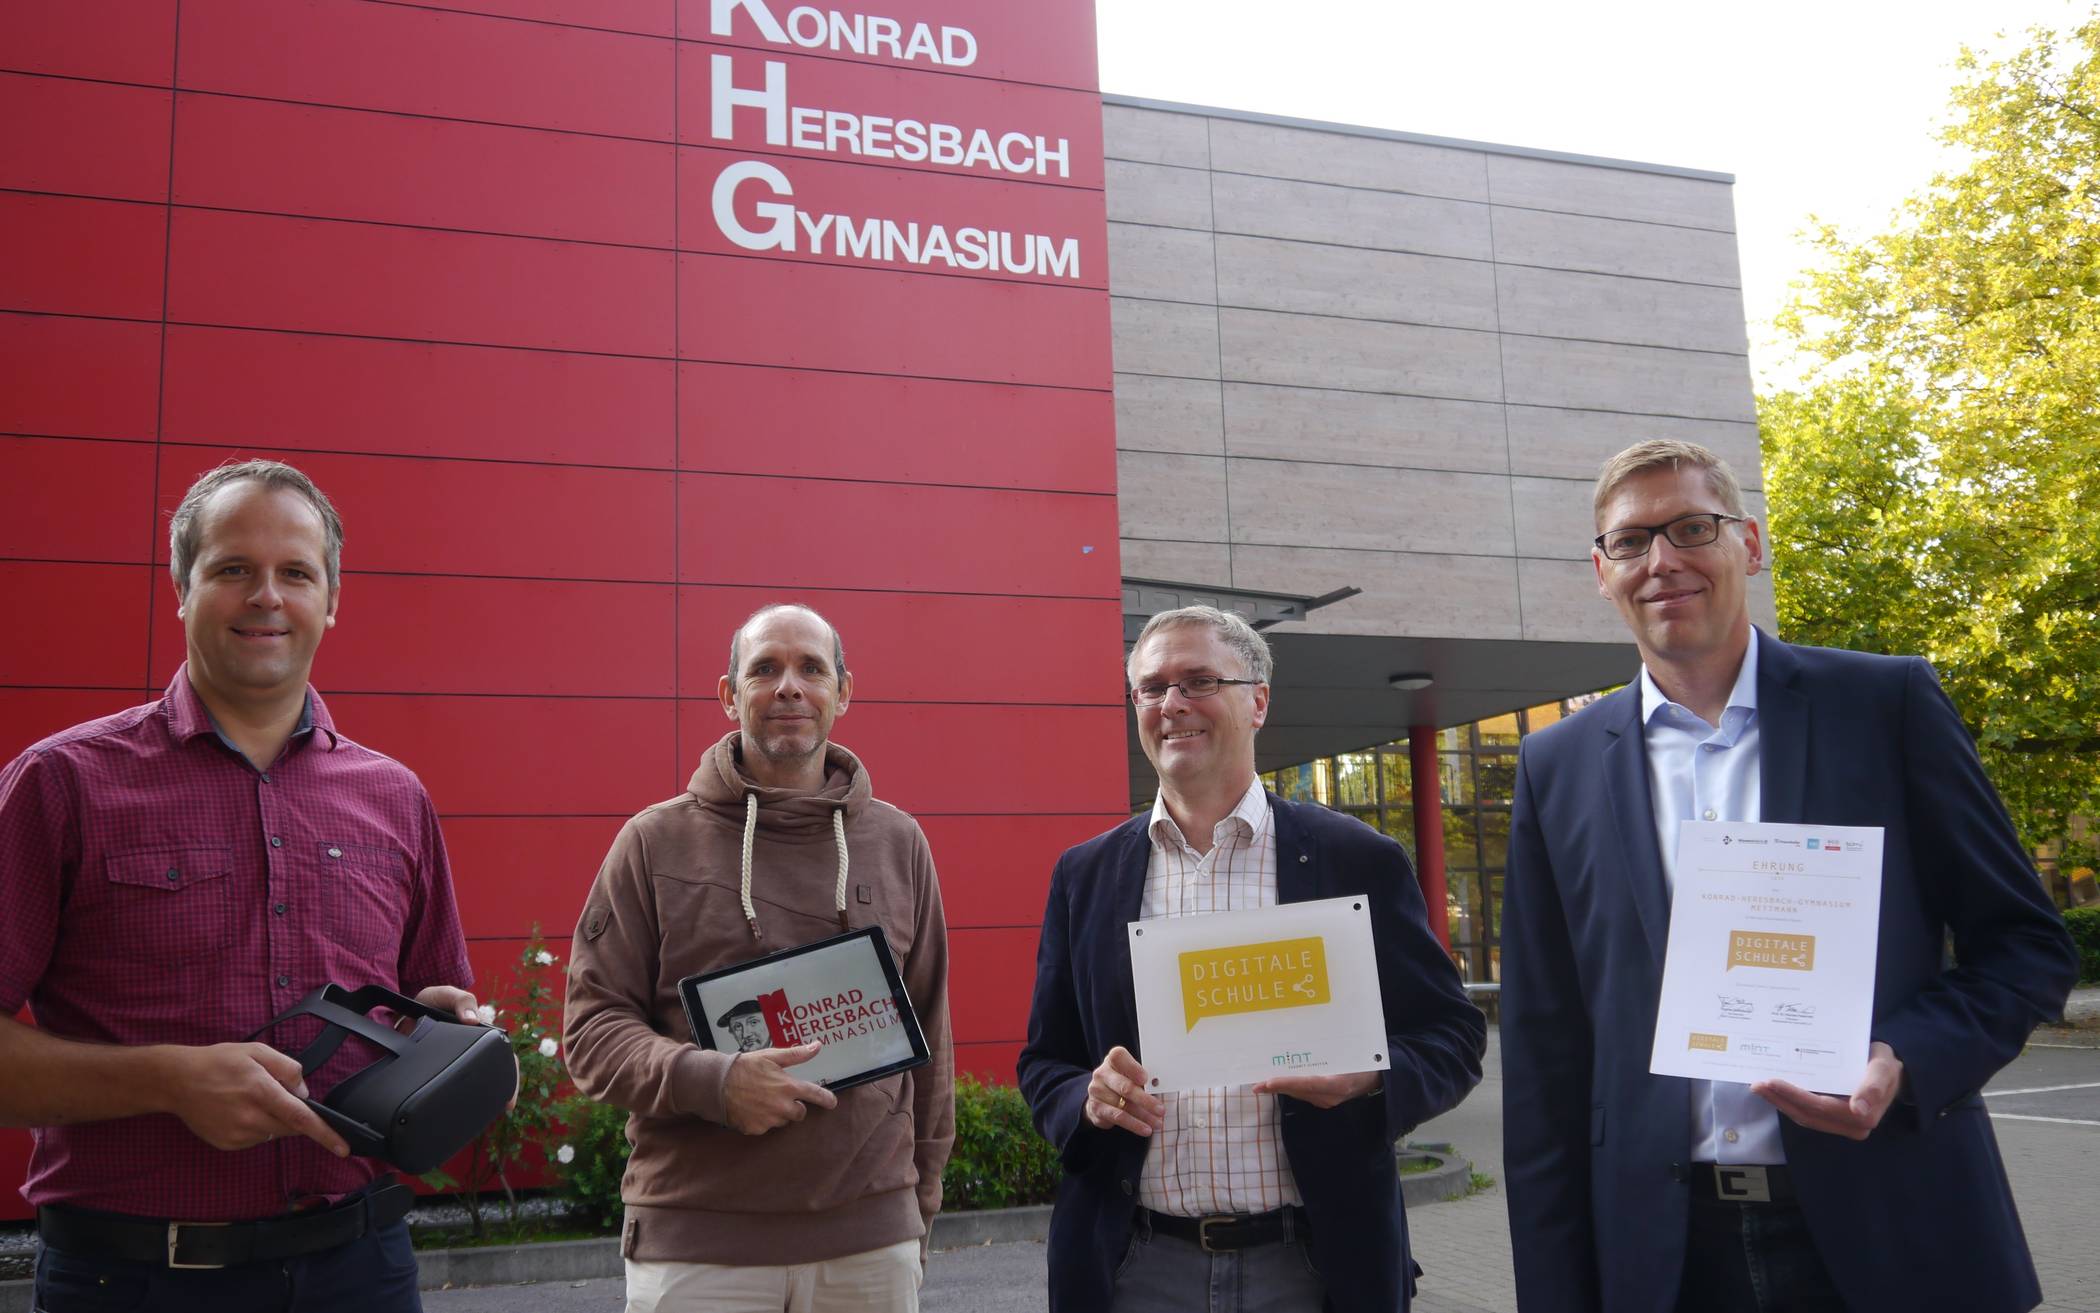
<point x="1116" y="1097"/>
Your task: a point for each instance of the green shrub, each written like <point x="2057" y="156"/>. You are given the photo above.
<point x="591" y="1157"/>
<point x="583" y="1143"/>
<point x="999" y="1160"/>
<point x="2085" y="928"/>
<point x="528" y="1007"/>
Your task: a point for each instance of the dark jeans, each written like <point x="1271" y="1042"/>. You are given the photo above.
<point x="1753" y="1258"/>
<point x="1165" y="1274"/>
<point x="373" y="1274"/>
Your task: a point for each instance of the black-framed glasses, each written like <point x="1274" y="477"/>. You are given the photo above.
<point x="1696" y="530"/>
<point x="1192" y="688"/>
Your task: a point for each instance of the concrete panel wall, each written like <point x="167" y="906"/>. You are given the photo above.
<point x="1353" y="283"/>
<point x="1348" y="216"/>
<point x="1161" y="194"/>
<point x="1612" y="246"/>
<point x="1275" y="151"/>
<point x="1363" y="428"/>
<point x="1369" y="508"/>
<point x="1350" y="359"/>
<point x="1169" y="414"/>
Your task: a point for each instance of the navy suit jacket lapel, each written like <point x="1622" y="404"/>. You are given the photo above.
<point x="1126" y="899"/>
<point x="1296" y="853"/>
<point x="1632" y="809"/>
<point x="1782" y="732"/>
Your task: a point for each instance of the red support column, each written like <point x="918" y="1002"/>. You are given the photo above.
<point x="1428" y="791"/>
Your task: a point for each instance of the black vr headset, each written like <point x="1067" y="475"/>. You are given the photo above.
<point x="432" y="1092"/>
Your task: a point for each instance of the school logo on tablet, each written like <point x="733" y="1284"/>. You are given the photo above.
<point x="849" y="1014"/>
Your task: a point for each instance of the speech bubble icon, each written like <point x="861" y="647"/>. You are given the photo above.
<point x="1762" y="948"/>
<point x="1277" y="973"/>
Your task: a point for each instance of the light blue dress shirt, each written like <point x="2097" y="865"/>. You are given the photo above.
<point x="1697" y="772"/>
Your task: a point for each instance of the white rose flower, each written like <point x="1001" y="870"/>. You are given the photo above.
<point x="565" y="1154"/>
<point x="548" y="1048"/>
<point x="545" y="958"/>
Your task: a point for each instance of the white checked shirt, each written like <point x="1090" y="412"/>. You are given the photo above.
<point x="1699" y="772"/>
<point x="1221" y="1149"/>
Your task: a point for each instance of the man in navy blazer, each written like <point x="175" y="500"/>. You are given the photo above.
<point x="1638" y="1193"/>
<point x="1278" y="1196"/>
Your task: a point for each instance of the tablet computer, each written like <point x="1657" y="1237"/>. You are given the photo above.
<point x="844" y="992"/>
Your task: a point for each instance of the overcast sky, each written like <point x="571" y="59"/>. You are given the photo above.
<point x="1823" y="107"/>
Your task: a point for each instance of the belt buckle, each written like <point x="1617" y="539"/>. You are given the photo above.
<point x="1746" y="1184"/>
<point x="175" y="1262"/>
<point x="1203" y="1232"/>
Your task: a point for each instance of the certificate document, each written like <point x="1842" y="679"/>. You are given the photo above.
<point x="1770" y="969"/>
<point x="1230" y="998"/>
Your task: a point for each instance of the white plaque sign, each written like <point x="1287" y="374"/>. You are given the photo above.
<point x="1230" y="998"/>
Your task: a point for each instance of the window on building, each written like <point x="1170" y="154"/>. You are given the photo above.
<point x="1476" y="778"/>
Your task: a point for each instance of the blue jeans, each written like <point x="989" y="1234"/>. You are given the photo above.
<point x="375" y="1273"/>
<point x="1753" y="1258"/>
<point x="1165" y="1274"/>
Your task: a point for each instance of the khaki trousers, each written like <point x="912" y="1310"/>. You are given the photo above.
<point x="877" y="1281"/>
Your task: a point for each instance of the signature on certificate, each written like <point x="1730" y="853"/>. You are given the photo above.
<point x="1797" y="1014"/>
<point x="1733" y="1006"/>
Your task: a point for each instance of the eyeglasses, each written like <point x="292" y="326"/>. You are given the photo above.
<point x="1633" y="541"/>
<point x="1192" y="688"/>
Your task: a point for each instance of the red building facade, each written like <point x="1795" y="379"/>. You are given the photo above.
<point x="603" y="324"/>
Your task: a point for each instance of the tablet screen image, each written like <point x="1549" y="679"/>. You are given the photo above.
<point x="843" y="992"/>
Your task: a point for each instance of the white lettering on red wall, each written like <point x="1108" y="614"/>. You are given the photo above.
<point x="862" y="34"/>
<point x="753" y="94"/>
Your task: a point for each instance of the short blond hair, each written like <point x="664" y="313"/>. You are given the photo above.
<point x="1666" y="454"/>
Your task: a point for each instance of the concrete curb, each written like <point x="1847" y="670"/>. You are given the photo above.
<point x="991" y="1226"/>
<point x="584" y="1260"/>
<point x="1451" y="1178"/>
<point x="2083" y="1005"/>
<point x="510" y="1265"/>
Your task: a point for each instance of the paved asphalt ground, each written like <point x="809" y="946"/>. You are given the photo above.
<point x="2045" y="1106"/>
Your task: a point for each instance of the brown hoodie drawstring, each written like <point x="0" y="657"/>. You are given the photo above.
<point x="838" y="895"/>
<point x="838" y="837"/>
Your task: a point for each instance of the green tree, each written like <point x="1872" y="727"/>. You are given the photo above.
<point x="1934" y="485"/>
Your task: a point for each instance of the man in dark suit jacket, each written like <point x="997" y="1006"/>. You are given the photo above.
<point x="1284" y="1191"/>
<point x="1638" y="1193"/>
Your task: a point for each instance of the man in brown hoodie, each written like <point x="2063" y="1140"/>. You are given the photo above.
<point x="751" y="1190"/>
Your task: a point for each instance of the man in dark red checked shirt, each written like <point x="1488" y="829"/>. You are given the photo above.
<point x="173" y="877"/>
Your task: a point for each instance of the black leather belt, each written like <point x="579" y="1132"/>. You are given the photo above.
<point x="1224" y="1232"/>
<point x="1742" y="1183"/>
<point x="172" y="1244"/>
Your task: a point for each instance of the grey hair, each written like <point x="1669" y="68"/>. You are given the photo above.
<point x="736" y="640"/>
<point x="1666" y="454"/>
<point x="1233" y="630"/>
<point x="185" y="529"/>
